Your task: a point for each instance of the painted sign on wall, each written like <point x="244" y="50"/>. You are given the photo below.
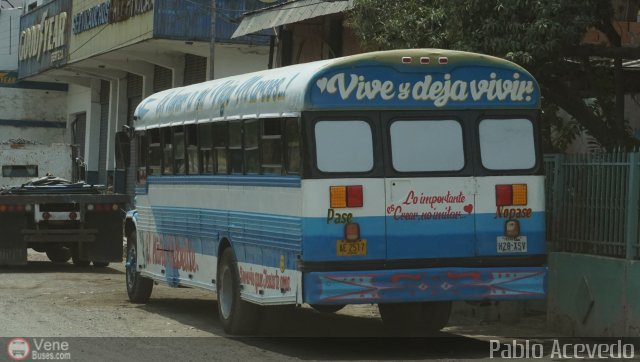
<point x="108" y="12"/>
<point x="44" y="38"/>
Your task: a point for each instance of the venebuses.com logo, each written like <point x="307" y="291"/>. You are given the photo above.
<point x="18" y="349"/>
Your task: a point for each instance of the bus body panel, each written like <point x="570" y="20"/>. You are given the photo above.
<point x="179" y="237"/>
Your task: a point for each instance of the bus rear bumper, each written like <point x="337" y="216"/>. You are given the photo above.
<point x="421" y="285"/>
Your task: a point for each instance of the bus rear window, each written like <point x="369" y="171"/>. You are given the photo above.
<point x="427" y="146"/>
<point x="344" y="146"/>
<point x="507" y="144"/>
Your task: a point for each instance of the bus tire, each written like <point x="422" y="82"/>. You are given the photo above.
<point x="237" y="316"/>
<point x="425" y="317"/>
<point x="58" y="254"/>
<point x="139" y="288"/>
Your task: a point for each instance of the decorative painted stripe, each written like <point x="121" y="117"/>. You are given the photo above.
<point x="233" y="180"/>
<point x="417" y="285"/>
<point x="31" y="123"/>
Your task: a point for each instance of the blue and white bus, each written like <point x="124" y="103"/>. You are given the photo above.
<point x="407" y="179"/>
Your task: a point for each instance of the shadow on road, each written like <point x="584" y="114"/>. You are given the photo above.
<point x="307" y="334"/>
<point x="49" y="267"/>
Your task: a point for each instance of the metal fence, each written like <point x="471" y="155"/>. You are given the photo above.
<point x="592" y="203"/>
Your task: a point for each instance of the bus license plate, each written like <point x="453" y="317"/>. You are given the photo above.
<point x="512" y="245"/>
<point x="351" y="248"/>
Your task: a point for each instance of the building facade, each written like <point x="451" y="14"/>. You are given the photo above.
<point x="114" y="53"/>
<point x="29" y="111"/>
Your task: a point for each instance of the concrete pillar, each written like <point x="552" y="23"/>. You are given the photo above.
<point x="92" y="137"/>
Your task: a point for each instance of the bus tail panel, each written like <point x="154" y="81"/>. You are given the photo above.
<point x="422" y="285"/>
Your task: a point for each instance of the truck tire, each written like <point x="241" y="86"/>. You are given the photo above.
<point x="237" y="316"/>
<point x="77" y="261"/>
<point x="139" y="288"/>
<point x="415" y="318"/>
<point x="58" y="254"/>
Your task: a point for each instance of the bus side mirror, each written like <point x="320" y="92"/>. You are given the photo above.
<point x="123" y="150"/>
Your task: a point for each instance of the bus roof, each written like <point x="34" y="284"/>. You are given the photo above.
<point x="390" y="80"/>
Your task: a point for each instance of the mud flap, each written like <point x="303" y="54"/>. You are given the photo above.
<point x="13" y="248"/>
<point x="13" y="256"/>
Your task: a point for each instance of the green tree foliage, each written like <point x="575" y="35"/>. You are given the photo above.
<point x="541" y="35"/>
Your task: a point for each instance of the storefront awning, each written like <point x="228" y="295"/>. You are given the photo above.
<point x="290" y="12"/>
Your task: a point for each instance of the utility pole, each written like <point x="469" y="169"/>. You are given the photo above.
<point x="212" y="44"/>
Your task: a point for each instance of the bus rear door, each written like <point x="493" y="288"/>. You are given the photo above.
<point x="430" y="206"/>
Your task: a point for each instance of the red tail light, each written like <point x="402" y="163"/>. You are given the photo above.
<point x="10" y="208"/>
<point x="46" y="215"/>
<point x="346" y="196"/>
<point x="19" y="208"/>
<point x="3" y="208"/>
<point x="73" y="216"/>
<point x="352" y="231"/>
<point x="503" y="195"/>
<point x="354" y="196"/>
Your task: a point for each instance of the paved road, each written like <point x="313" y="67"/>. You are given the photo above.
<point x="62" y="302"/>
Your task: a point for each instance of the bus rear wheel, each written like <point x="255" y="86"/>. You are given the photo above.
<point x="420" y="318"/>
<point x="237" y="316"/>
<point x="139" y="288"/>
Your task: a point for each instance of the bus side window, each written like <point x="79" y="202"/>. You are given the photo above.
<point x="206" y="156"/>
<point x="235" y="147"/>
<point x="155" y="152"/>
<point x="292" y="139"/>
<point x="220" y="146"/>
<point x="167" y="147"/>
<point x="179" y="158"/>
<point x="193" y="164"/>
<point x="143" y="153"/>
<point x="271" y="146"/>
<point x="251" y="149"/>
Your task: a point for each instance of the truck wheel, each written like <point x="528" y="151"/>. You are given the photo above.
<point x="101" y="264"/>
<point x="75" y="257"/>
<point x="59" y="254"/>
<point x="139" y="288"/>
<point x="426" y="317"/>
<point x="237" y="316"/>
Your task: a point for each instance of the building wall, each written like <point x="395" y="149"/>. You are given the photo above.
<point x="313" y="40"/>
<point x="32" y="114"/>
<point x="9" y="38"/>
<point x="233" y="60"/>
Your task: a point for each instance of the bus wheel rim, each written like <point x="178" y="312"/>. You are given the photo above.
<point x="226" y="293"/>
